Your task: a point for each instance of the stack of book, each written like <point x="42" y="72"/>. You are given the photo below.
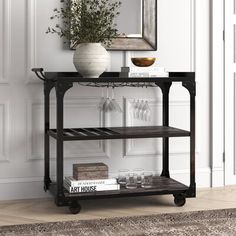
<point x="83" y="186"/>
<point x="152" y="71"/>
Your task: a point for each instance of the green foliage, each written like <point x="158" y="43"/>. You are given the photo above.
<point x="86" y="21"/>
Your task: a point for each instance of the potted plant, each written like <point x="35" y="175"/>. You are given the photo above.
<point x="87" y="25"/>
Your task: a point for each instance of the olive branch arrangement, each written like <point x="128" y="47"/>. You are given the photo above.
<point x="86" y="21"/>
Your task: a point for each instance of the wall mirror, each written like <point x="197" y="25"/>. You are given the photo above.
<point x="137" y="26"/>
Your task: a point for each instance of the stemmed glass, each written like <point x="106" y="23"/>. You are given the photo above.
<point x="106" y="106"/>
<point x="146" y="112"/>
<point x="102" y="101"/>
<point x="141" y="110"/>
<point x="115" y="106"/>
<point x="109" y="104"/>
<point x="136" y="108"/>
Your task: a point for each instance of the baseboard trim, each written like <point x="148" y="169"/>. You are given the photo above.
<point x="203" y="177"/>
<point x="23" y="190"/>
<point x="218" y="177"/>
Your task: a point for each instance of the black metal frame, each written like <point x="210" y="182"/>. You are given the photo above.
<point x="64" y="81"/>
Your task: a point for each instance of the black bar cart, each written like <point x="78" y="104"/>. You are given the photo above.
<point x="63" y="81"/>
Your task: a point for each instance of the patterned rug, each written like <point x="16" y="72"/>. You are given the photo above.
<point x="214" y="222"/>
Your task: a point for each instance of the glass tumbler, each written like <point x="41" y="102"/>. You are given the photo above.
<point x="139" y="172"/>
<point x="147" y="180"/>
<point x="122" y="176"/>
<point x="131" y="181"/>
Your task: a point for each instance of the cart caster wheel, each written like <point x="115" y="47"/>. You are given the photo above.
<point x="179" y="200"/>
<point x="46" y="185"/>
<point x="45" y="188"/>
<point x="75" y="208"/>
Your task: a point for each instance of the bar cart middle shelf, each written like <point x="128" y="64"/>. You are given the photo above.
<point x="63" y="81"/>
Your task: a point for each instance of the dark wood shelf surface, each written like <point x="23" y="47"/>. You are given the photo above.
<point x="71" y="134"/>
<point x="161" y="185"/>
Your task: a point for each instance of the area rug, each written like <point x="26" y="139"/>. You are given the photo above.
<point x="214" y="222"/>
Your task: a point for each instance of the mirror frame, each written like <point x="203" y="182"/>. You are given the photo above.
<point x="148" y="40"/>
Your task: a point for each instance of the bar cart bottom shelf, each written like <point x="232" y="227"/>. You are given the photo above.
<point x="161" y="185"/>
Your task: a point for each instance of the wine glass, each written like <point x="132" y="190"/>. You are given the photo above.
<point x="106" y="105"/>
<point x="146" y="112"/>
<point x="141" y="110"/>
<point x="114" y="104"/>
<point x="136" y="109"/>
<point x="102" y="101"/>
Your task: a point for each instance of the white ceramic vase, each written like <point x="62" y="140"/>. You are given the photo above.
<point x="91" y="59"/>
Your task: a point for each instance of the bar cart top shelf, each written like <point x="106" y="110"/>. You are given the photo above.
<point x="113" y="77"/>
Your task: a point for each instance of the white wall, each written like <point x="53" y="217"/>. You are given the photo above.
<point x="24" y="44"/>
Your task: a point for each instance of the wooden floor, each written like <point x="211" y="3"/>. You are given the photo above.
<point x="44" y="210"/>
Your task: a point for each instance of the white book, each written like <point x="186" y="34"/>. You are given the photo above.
<point x="92" y="188"/>
<point x="76" y="183"/>
<point x="153" y="71"/>
<point x="148" y="74"/>
<point x="157" y="69"/>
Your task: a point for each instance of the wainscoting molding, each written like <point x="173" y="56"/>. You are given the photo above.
<point x="130" y="148"/>
<point x="6" y="41"/>
<point x="217" y="71"/>
<point x="31" y="47"/>
<point x="192" y="35"/>
<point x="94" y="149"/>
<point x="5" y="130"/>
